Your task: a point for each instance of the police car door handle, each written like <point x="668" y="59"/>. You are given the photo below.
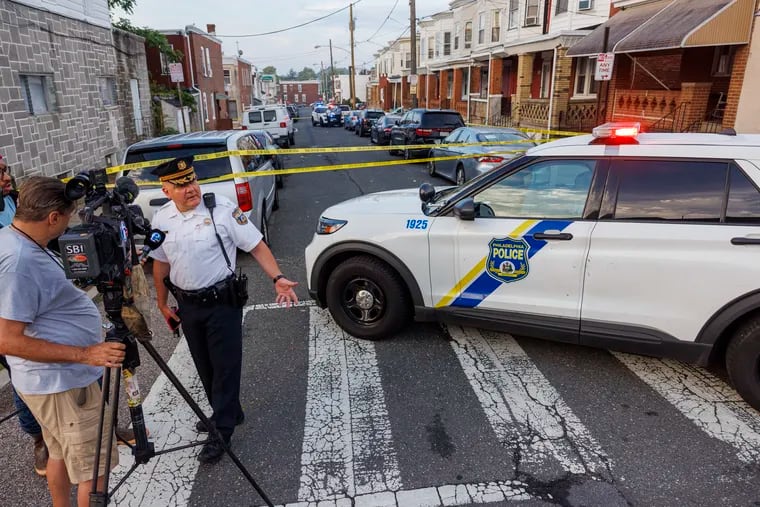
<point x="557" y="236"/>
<point x="745" y="241"/>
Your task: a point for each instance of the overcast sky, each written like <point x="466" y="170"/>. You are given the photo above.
<point x="292" y="48"/>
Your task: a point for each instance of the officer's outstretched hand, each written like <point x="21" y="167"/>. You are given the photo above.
<point x="109" y="354"/>
<point x="285" y="293"/>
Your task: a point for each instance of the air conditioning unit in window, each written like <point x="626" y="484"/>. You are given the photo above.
<point x="531" y="20"/>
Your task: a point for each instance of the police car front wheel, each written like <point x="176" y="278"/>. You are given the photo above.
<point x="743" y="361"/>
<point x="367" y="298"/>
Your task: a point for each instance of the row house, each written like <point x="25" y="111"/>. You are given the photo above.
<point x="393" y="65"/>
<point x="299" y="92"/>
<point x="203" y="76"/>
<point x="238" y="86"/>
<point x="74" y="92"/>
<point x="680" y="65"/>
<point x="504" y="62"/>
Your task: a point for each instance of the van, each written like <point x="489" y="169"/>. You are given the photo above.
<point x="273" y="118"/>
<point x="255" y="196"/>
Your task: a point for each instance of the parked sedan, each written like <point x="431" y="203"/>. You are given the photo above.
<point x="380" y="133"/>
<point x="366" y="120"/>
<point x="467" y="167"/>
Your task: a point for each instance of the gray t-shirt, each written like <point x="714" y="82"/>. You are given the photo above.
<point x="34" y="290"/>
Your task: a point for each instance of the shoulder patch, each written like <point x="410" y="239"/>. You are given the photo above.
<point x="239" y="216"/>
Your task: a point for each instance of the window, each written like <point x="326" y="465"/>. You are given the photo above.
<point x="722" y="61"/>
<point x="212" y="106"/>
<point x="204" y="106"/>
<point x="584" y="5"/>
<point x="483" y="82"/>
<point x="561" y="6"/>
<point x="431" y="47"/>
<point x="585" y="84"/>
<point x="465" y="82"/>
<point x="208" y="63"/>
<point x="232" y="109"/>
<point x="496" y="26"/>
<point x="164" y="60"/>
<point x="408" y="60"/>
<point x="514" y="8"/>
<point x="38" y="93"/>
<point x="438" y="44"/>
<point x="449" y="85"/>
<point x="481" y="27"/>
<point x="270" y="115"/>
<point x="246" y="143"/>
<point x="203" y="61"/>
<point x="457" y="30"/>
<point x="743" y="199"/>
<point x="107" y="87"/>
<point x="549" y="189"/>
<point x="531" y="12"/>
<point x="446" y="43"/>
<point x="468" y="35"/>
<point x="546" y="78"/>
<point x="227" y="77"/>
<point x="674" y="190"/>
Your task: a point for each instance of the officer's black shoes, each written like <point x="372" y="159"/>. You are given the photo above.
<point x="212" y="452"/>
<point x="200" y="427"/>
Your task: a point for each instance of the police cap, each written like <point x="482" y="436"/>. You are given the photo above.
<point x="178" y="171"/>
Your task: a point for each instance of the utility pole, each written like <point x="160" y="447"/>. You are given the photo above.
<point x="413" y="39"/>
<point x="352" y="75"/>
<point x="332" y="73"/>
<point x="322" y="80"/>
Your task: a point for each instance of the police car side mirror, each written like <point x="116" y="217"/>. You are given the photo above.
<point x="427" y="192"/>
<point x="465" y="209"/>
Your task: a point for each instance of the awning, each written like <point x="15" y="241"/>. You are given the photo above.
<point x="221" y="96"/>
<point x="672" y="24"/>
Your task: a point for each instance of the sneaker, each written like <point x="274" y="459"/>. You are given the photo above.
<point x="200" y="427"/>
<point x="126" y="436"/>
<point x="212" y="452"/>
<point x="40" y="456"/>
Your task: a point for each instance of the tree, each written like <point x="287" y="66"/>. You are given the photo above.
<point x="269" y="69"/>
<point x="307" y="74"/>
<point x="127" y="6"/>
<point x="153" y="39"/>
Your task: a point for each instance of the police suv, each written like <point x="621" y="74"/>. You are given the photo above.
<point x="644" y="243"/>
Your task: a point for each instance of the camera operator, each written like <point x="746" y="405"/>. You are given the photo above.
<point x="50" y="332"/>
<point x="8" y="195"/>
<point x="198" y="272"/>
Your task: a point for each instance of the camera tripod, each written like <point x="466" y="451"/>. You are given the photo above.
<point x="143" y="450"/>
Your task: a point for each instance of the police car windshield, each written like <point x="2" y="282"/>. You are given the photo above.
<point x="203" y="168"/>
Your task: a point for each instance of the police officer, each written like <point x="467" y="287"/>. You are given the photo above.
<point x="191" y="264"/>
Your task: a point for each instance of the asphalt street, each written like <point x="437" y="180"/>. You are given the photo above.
<point x="433" y="416"/>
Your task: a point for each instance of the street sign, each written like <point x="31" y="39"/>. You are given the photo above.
<point x="413" y="89"/>
<point x="412" y="79"/>
<point x="267" y="77"/>
<point x="604" y="63"/>
<point x="175" y="69"/>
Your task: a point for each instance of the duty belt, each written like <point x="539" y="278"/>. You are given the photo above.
<point x="219" y="293"/>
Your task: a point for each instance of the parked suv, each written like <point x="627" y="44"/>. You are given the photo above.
<point x="255" y="196"/>
<point x="423" y="126"/>
<point x="275" y="119"/>
<point x="644" y="243"/>
<point x="367" y="118"/>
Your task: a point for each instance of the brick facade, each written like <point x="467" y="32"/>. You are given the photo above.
<point x="735" y="87"/>
<point x="80" y="131"/>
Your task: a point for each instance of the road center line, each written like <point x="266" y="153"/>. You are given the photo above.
<point x="525" y="411"/>
<point x="347" y="448"/>
<point x="714" y="406"/>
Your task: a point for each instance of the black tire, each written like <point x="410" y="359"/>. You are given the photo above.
<point x="313" y="123"/>
<point x="460" y="176"/>
<point x="276" y="203"/>
<point x="743" y="361"/>
<point x="380" y="287"/>
<point x="287" y="143"/>
<point x="431" y="168"/>
<point x="407" y="154"/>
<point x="392" y="151"/>
<point x="293" y="138"/>
<point x="278" y="181"/>
<point x="372" y="139"/>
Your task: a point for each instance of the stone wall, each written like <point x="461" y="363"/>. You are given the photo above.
<point x="79" y="132"/>
<point x="132" y="65"/>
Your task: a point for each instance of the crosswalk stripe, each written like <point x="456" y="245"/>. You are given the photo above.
<point x="714" y="406"/>
<point x="347" y="447"/>
<point x="166" y="480"/>
<point x="527" y="414"/>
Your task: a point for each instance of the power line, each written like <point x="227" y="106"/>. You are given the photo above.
<point x="383" y="23"/>
<point x="291" y="27"/>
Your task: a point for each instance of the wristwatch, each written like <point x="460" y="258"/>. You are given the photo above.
<point x="274" y="280"/>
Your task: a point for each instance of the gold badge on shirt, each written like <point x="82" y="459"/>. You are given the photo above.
<point x="239" y="216"/>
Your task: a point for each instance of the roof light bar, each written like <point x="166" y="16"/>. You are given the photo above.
<point x="613" y="130"/>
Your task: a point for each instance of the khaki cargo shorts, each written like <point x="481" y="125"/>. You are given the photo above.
<point x="69" y="422"/>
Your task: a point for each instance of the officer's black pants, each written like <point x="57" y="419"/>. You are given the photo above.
<point x="215" y="338"/>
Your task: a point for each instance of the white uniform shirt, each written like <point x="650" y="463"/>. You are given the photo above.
<point x="191" y="248"/>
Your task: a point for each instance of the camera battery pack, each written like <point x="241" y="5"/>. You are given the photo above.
<point x="80" y="254"/>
